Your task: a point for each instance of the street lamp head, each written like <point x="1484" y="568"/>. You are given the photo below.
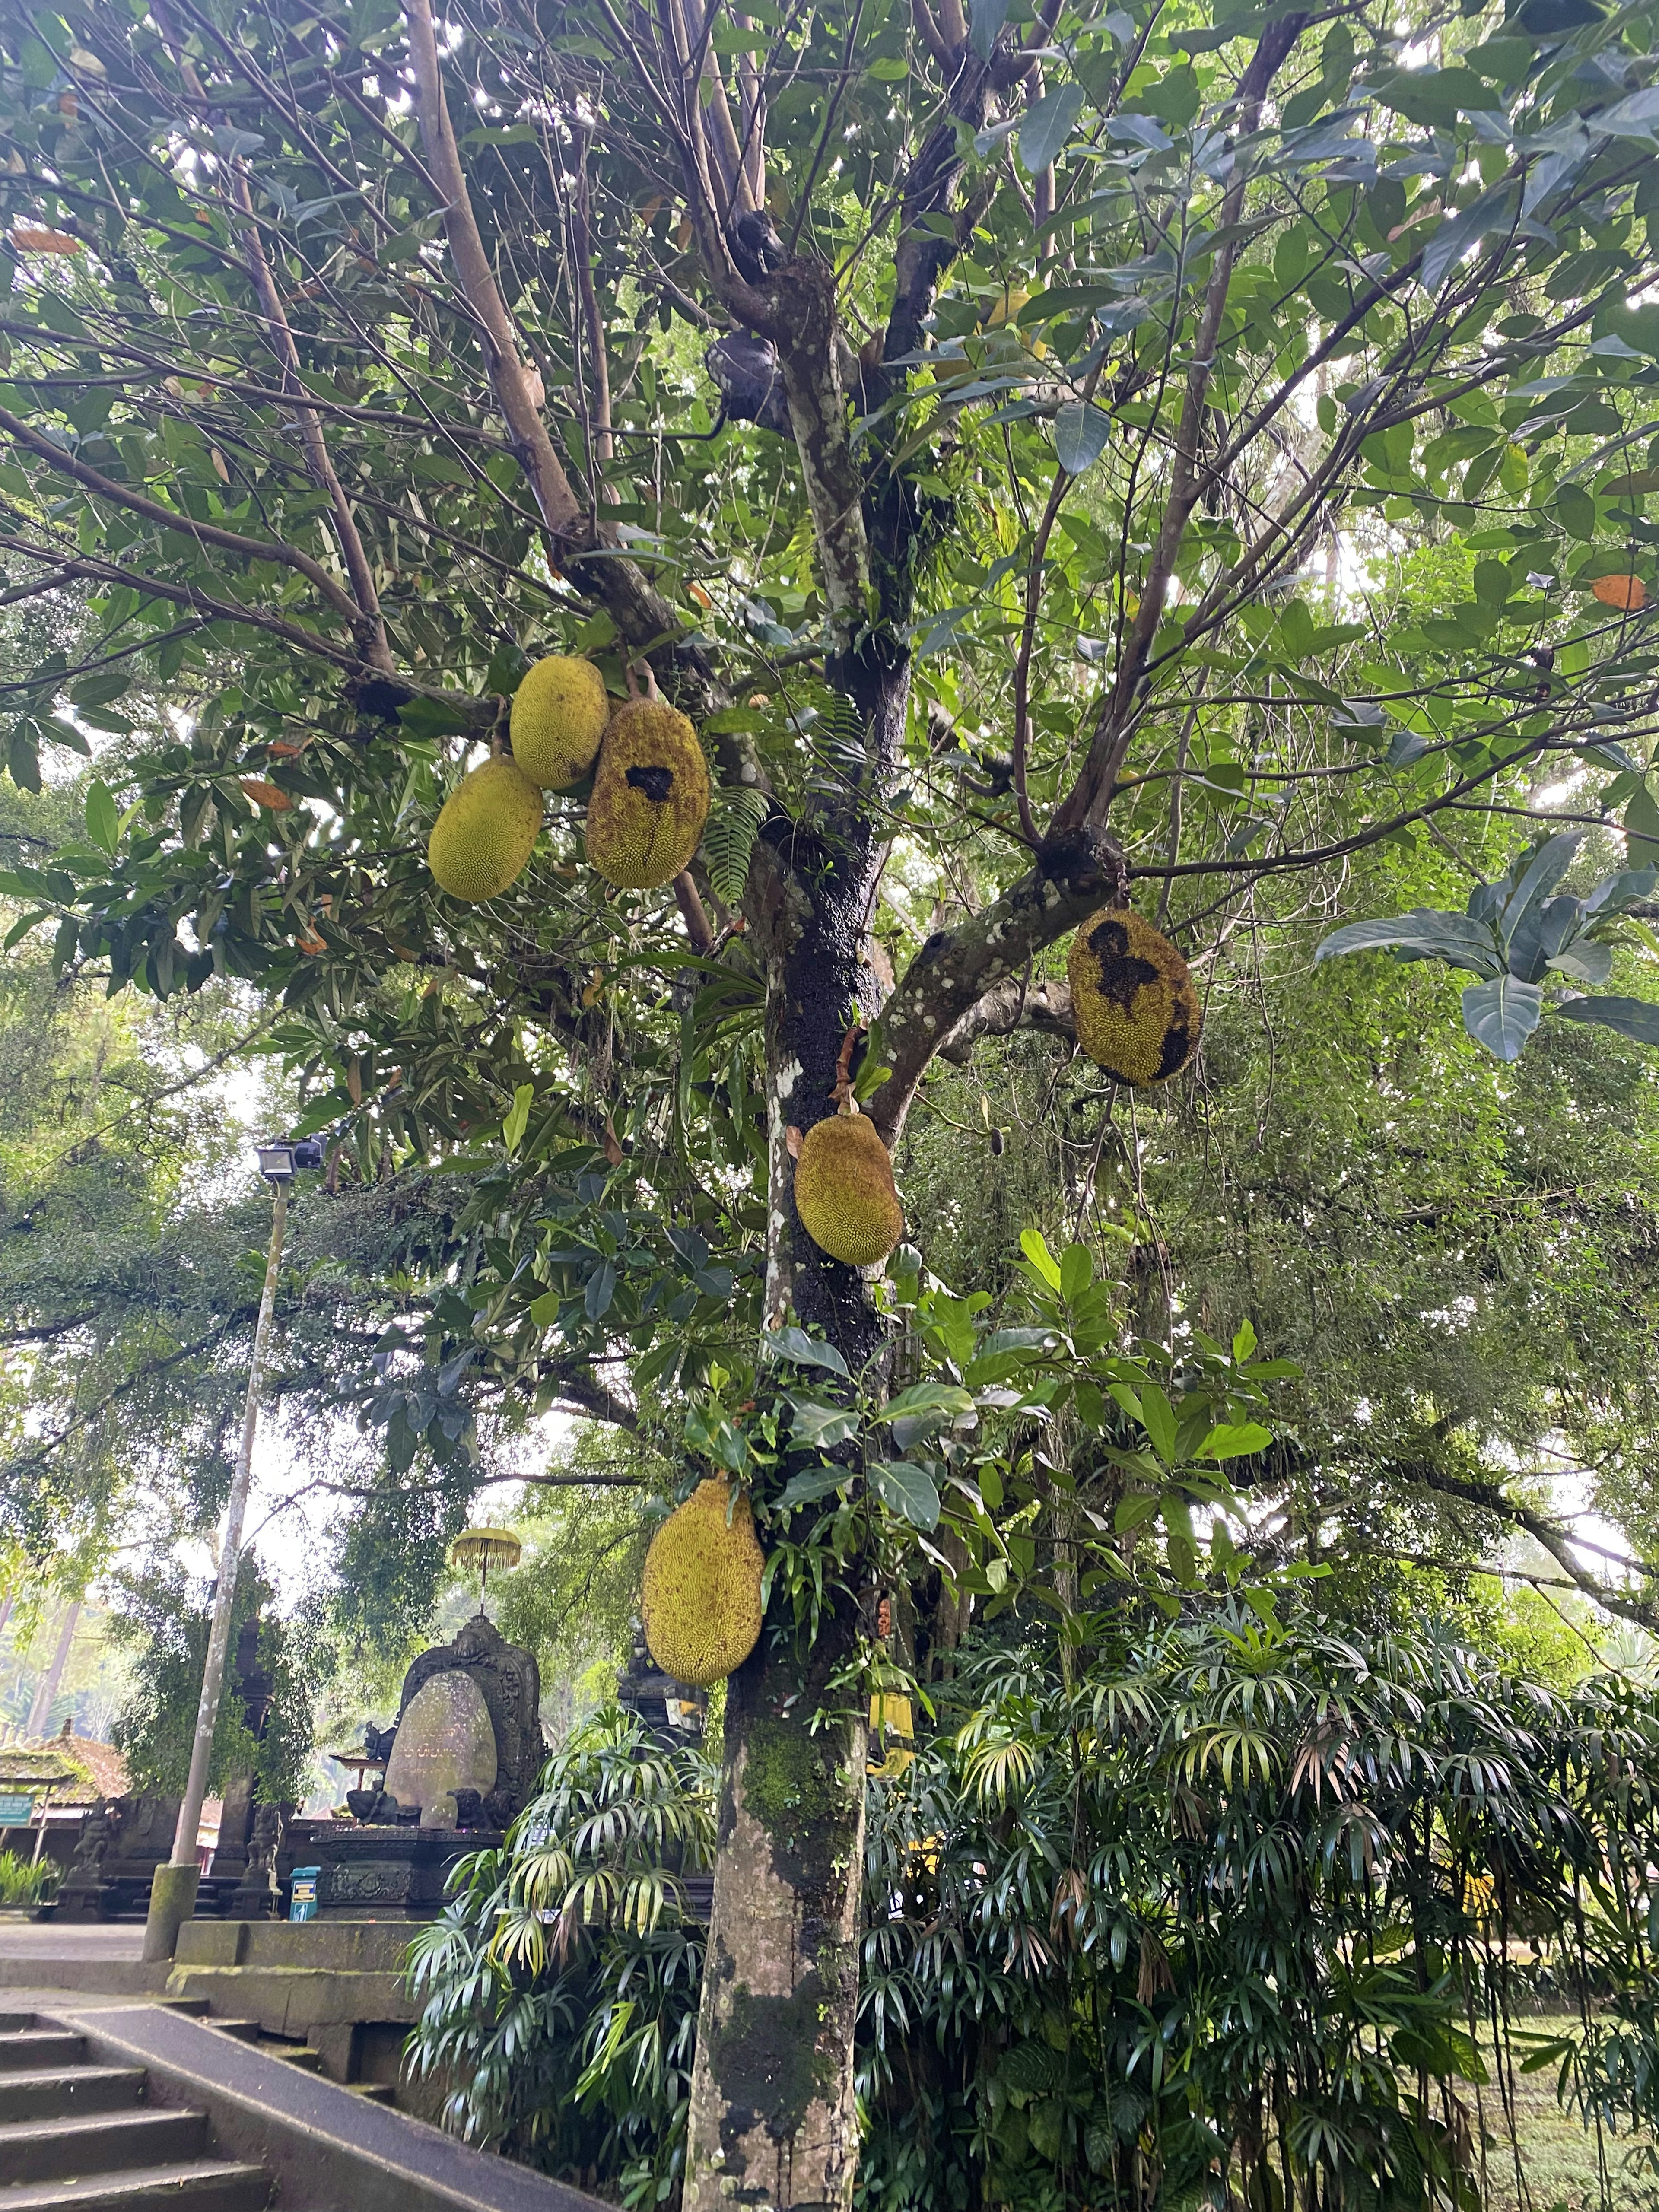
<point x="282" y="1159"/>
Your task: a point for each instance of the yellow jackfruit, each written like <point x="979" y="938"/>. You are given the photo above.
<point x="559" y="715"/>
<point x="650" y="796"/>
<point x="702" y="1600"/>
<point x="485" y="831"/>
<point x="1137" y="1015"/>
<point x="844" y="1191"/>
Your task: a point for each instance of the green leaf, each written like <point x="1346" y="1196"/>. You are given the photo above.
<point x="813" y="1483"/>
<point x="1158" y="1418"/>
<point x="1502" y="1014"/>
<point x="1233" y="1440"/>
<point x="1047" y="127"/>
<point x="728" y="839"/>
<point x="102" y="821"/>
<point x="1081" y="433"/>
<point x="814" y="1426"/>
<point x="1032" y="1244"/>
<point x="1422" y="934"/>
<point x="1641" y="826"/>
<point x="518" y="1116"/>
<point x="601" y="1288"/>
<point x="1638" y="1018"/>
<point x="805" y="1350"/>
<point x="947" y="1399"/>
<point x="908" y="1490"/>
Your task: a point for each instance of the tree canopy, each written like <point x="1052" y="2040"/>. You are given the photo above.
<point x="1182" y="458"/>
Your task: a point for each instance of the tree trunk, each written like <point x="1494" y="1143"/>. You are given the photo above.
<point x="772" y="2120"/>
<point x="772" y="2117"/>
<point x="46" y="1694"/>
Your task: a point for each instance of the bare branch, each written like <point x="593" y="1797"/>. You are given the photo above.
<point x="379" y="653"/>
<point x="206" y="534"/>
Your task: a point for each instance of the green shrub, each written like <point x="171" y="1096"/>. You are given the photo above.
<point x="25" y="1883"/>
<point x="561" y="1981"/>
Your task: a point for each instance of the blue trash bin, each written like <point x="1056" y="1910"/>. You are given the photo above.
<point x="302" y="1897"/>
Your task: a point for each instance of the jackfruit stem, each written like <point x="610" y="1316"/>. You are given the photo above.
<point x="841" y="1089"/>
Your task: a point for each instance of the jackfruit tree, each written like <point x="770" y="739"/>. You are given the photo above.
<point x="999" y="454"/>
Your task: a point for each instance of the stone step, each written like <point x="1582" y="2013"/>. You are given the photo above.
<point x="26" y="2050"/>
<point x="100" y="2143"/>
<point x="373" y="2092"/>
<point x="243" y="2031"/>
<point x="54" y="2092"/>
<point x="300" y="2054"/>
<point x="201" y="2184"/>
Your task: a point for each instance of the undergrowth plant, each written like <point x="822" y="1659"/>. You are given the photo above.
<point x="1248" y="1914"/>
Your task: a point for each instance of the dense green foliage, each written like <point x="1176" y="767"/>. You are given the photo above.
<point x="25" y="1881"/>
<point x="165" y="1624"/>
<point x="1198" y="457"/>
<point x="560" y="1985"/>
<point x="1231" y="1913"/>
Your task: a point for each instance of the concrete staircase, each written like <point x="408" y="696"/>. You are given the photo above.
<point x="143" y="2107"/>
<point x="77" y="2134"/>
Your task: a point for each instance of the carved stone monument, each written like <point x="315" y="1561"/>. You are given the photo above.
<point x="463" y="1758"/>
<point x="123" y="1841"/>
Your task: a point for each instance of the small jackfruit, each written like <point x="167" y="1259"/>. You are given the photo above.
<point x="844" y="1191"/>
<point x="485" y="831"/>
<point x="700" y="1603"/>
<point x="650" y="796"/>
<point x="1137" y="1012"/>
<point x="559" y="715"/>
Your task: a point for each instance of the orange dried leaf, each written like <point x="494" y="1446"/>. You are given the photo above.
<point x="1629" y="594"/>
<point x="35" y="238"/>
<point x="266" y="794"/>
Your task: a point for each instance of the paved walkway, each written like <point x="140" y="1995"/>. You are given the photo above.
<point x="46" y="1939"/>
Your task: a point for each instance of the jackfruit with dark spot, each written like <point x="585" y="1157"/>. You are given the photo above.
<point x="485" y="831"/>
<point x="650" y="796"/>
<point x="844" y="1191"/>
<point x="1137" y="1012"/>
<point x="700" y="1603"/>
<point x="559" y="715"/>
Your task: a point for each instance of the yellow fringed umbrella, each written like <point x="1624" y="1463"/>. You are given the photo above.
<point x="485" y="1548"/>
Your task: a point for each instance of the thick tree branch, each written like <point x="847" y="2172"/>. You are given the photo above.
<point x="956" y="968"/>
<point x="1556" y="1540"/>
<point x="1044" y="1006"/>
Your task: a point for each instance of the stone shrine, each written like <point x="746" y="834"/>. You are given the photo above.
<point x="463" y="1759"/>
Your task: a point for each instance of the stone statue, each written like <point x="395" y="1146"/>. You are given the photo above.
<point x="255" y="1895"/>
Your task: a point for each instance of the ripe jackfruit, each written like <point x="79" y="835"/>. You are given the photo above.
<point x="1137" y="1012"/>
<point x="559" y="715"/>
<point x="650" y="796"/>
<point x="702" y="1600"/>
<point x="485" y="831"/>
<point x="844" y="1191"/>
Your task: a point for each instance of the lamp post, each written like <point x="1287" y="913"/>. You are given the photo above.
<point x="173" y="1892"/>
